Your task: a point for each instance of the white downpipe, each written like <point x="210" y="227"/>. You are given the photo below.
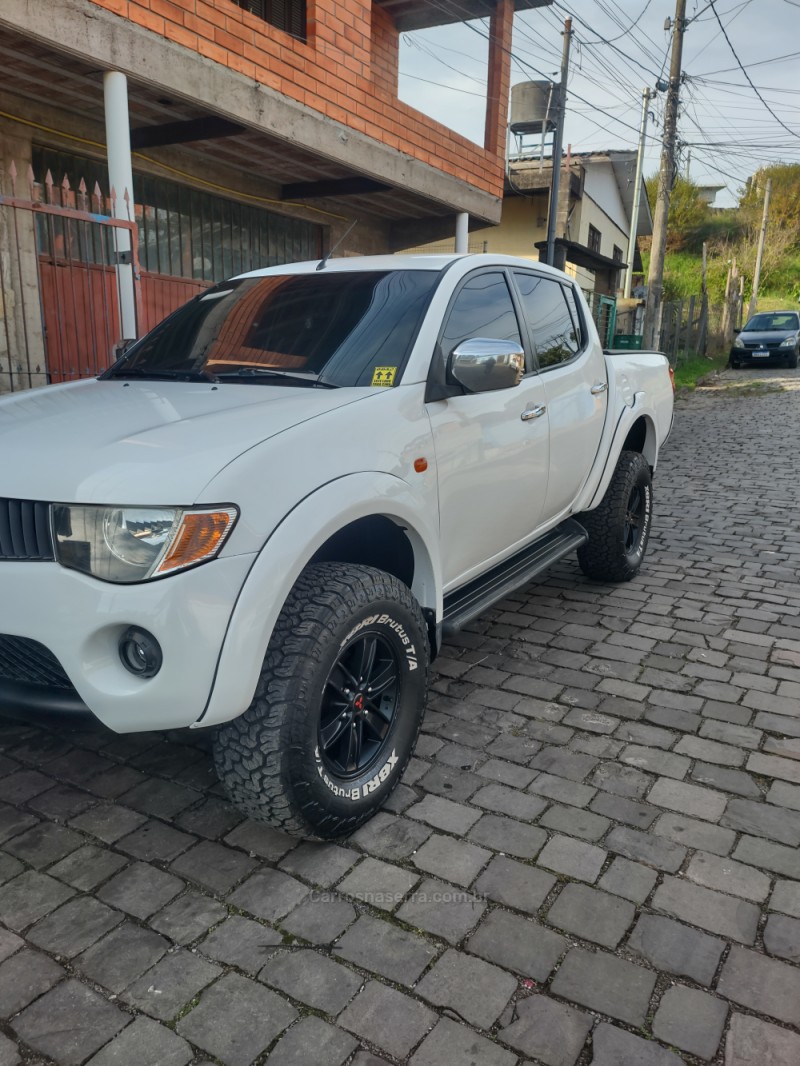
<point x="462" y="233"/>
<point x="120" y="179"/>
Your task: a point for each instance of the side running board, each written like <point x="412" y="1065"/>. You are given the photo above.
<point x="471" y="600"/>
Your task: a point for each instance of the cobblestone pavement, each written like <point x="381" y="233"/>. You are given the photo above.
<point x="592" y="859"/>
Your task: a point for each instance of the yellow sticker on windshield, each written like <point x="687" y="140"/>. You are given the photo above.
<point x="384" y="375"/>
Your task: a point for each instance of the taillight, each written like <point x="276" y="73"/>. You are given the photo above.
<point x="672" y="378"/>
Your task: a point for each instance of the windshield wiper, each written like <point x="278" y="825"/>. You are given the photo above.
<point x="160" y="375"/>
<point x="260" y="373"/>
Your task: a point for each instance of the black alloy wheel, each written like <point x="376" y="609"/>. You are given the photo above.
<point x="634" y="518"/>
<point x="359" y="704"/>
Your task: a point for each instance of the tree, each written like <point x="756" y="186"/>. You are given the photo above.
<point x="688" y="213"/>
<point x="784" y="210"/>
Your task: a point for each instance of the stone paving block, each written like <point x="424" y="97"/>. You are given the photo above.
<point x="213" y="866"/>
<point x="140" y="889"/>
<point x="444" y="814"/>
<point x="629" y="880"/>
<point x="476" y="990"/>
<point x="451" y="859"/>
<point x="24" y="785"/>
<point x="762" y="984"/>
<point x="620" y="809"/>
<point x="236" y="1019"/>
<point x="783" y="795"/>
<point x="261" y="840"/>
<point x="729" y="876"/>
<point x="786" y="898"/>
<point x="452" y="782"/>
<point x="144" y="1041"/>
<point x="9" y="868"/>
<point x="212" y="819"/>
<point x="592" y="915"/>
<point x="311" y="978"/>
<point x="24" y="977"/>
<point x="514" y="884"/>
<point x="30" y="896"/>
<point x="774" y="766"/>
<point x="560" y="789"/>
<point x="616" y="1047"/>
<point x="649" y="736"/>
<point x="782" y="937"/>
<point x="591" y="721"/>
<point x="61" y="803"/>
<point x="516" y="749"/>
<point x="122" y="956"/>
<point x="691" y="1020"/>
<point x="43" y="844"/>
<point x="517" y="943"/>
<point x="720" y="777"/>
<point x="764" y="853"/>
<point x="269" y="894"/>
<point x="320" y="920"/>
<point x="385" y="949"/>
<point x="321" y="864"/>
<point x="8" y="1052"/>
<point x="241" y="942"/>
<point x="753" y="1042"/>
<point x="453" y="1043"/>
<point x="159" y="797"/>
<point x="673" y="717"/>
<point x="549" y="1032"/>
<point x="573" y="858"/>
<point x="655" y="761"/>
<point x="739" y="736"/>
<point x="312" y="1042"/>
<point x="777" y="723"/>
<point x="507" y="773"/>
<point x="620" y="780"/>
<point x="575" y="822"/>
<point x="188" y="917"/>
<point x="509" y="836"/>
<point x="646" y="848"/>
<point x="673" y="947"/>
<point x="164" y="989"/>
<point x="155" y="841"/>
<point x="502" y="800"/>
<point x="386" y="836"/>
<point x="69" y="1023"/>
<point x="108" y="822"/>
<point x="687" y="799"/>
<point x="9" y="943"/>
<point x="73" y="927"/>
<point x="605" y="983"/>
<point x="691" y="833"/>
<point x="763" y="820"/>
<point x="379" y="884"/>
<point x="732" y="918"/>
<point x="443" y="910"/>
<point x="387" y="1018"/>
<point x="87" y="867"/>
<point x="571" y="765"/>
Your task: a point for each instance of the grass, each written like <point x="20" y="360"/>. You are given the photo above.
<point x="690" y="372"/>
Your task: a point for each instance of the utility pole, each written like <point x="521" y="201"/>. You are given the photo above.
<point x="558" y="141"/>
<point x="637" y="193"/>
<point x="760" y="254"/>
<point x="666" y="177"/>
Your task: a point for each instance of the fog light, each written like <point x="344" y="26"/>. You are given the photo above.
<point x="140" y="652"/>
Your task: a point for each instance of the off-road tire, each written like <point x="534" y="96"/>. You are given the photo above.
<point x="270" y="759"/>
<point x="615" y="549"/>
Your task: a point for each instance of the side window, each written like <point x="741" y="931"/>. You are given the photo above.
<point x="483" y="308"/>
<point x="572" y="303"/>
<point x="555" y="336"/>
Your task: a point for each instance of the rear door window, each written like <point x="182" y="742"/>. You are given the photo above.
<point x="556" y="335"/>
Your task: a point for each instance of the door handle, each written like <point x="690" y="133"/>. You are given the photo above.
<point x="533" y="412"/>
<point x="600" y="387"/>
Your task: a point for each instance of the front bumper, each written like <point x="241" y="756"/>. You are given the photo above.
<point x="79" y="621"/>
<point x="748" y="357"/>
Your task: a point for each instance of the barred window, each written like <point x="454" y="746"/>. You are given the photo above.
<point x="287" y="15"/>
<point x="594" y="238"/>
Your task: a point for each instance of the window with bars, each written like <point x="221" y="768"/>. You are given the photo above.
<point x="287" y="15"/>
<point x="186" y="233"/>
<point x="594" y="239"/>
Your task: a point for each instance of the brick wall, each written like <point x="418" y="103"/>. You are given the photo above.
<point x="347" y="70"/>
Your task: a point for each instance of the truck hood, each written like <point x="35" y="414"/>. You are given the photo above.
<point x="142" y="442"/>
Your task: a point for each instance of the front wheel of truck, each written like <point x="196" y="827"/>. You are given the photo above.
<point x="338" y="706"/>
<point x="620" y="527"/>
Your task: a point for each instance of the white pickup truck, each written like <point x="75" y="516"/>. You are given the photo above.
<point x="267" y="515"/>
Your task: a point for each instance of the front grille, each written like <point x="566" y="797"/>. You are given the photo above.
<point x="31" y="663"/>
<point x="761" y="347"/>
<point x="25" y="531"/>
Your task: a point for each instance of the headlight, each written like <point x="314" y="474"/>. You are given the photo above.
<point x="128" y="544"/>
<point x="790" y="341"/>
<point x="738" y="343"/>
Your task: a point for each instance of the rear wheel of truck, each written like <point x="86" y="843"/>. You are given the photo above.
<point x="338" y="706"/>
<point x="620" y="527"/>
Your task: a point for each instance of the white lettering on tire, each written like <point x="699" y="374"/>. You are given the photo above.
<point x="358" y="791"/>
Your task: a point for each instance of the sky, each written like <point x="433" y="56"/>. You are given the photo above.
<point x="727" y="127"/>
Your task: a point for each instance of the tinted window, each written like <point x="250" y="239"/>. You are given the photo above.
<point x="555" y="335"/>
<point x="343" y="328"/>
<point x="572" y="303"/>
<point x="483" y="308"/>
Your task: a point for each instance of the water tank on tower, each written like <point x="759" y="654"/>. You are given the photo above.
<point x="533" y="107"/>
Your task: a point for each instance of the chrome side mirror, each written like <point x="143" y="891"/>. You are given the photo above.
<point x="484" y="365"/>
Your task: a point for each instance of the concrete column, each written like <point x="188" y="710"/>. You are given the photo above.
<point x="462" y="232"/>
<point x="120" y="177"/>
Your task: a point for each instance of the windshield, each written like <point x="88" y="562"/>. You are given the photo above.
<point x="777" y="320"/>
<point x="334" y="329"/>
